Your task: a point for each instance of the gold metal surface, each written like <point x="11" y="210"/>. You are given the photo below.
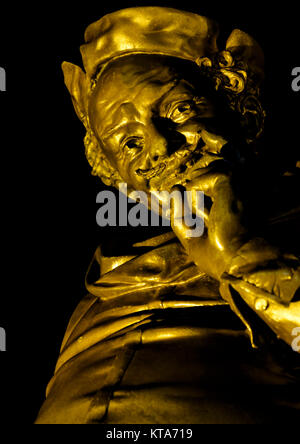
<point x="150" y="100"/>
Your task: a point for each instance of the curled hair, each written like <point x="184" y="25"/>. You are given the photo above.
<point x="233" y="78"/>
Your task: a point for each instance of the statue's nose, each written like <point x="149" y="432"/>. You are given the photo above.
<point x="164" y="139"/>
<point x="157" y="145"/>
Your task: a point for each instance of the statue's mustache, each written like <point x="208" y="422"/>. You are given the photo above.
<point x="181" y="160"/>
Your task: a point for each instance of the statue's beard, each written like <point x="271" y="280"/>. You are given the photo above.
<point x="179" y="167"/>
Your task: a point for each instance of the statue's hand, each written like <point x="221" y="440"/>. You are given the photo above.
<point x="267" y="280"/>
<point x="224" y="234"/>
<point x="226" y="247"/>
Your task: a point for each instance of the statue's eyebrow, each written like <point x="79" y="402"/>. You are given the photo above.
<point x="113" y="128"/>
<point x="162" y="98"/>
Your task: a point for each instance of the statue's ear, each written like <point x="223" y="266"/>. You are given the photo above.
<point x="76" y="82"/>
<point x="241" y="44"/>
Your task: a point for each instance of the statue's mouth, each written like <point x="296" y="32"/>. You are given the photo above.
<point x="174" y="161"/>
<point x="152" y="172"/>
<point x="179" y="165"/>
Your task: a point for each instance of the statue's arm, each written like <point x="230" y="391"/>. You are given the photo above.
<point x="269" y="286"/>
<point x="283" y="319"/>
<point x="248" y="268"/>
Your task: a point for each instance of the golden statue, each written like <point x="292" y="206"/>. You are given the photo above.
<point x="178" y="329"/>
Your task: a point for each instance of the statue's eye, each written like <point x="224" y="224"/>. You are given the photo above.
<point x="133" y="143"/>
<point x="181" y="112"/>
<point x="184" y="108"/>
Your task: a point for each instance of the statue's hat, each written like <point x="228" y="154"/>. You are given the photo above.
<point x="151" y="30"/>
<point x="148" y="30"/>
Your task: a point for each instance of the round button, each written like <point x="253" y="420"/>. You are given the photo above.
<point x="261" y="304"/>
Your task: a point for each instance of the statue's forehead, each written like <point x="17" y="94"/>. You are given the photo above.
<point x="127" y="80"/>
<point x="134" y="104"/>
<point x="129" y="75"/>
<point x="115" y="94"/>
<point x="145" y="93"/>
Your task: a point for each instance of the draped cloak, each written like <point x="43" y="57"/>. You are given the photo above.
<point x="154" y="342"/>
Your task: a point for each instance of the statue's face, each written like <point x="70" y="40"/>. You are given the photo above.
<point x="154" y="125"/>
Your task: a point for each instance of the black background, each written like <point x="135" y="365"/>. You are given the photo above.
<point x="49" y="232"/>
